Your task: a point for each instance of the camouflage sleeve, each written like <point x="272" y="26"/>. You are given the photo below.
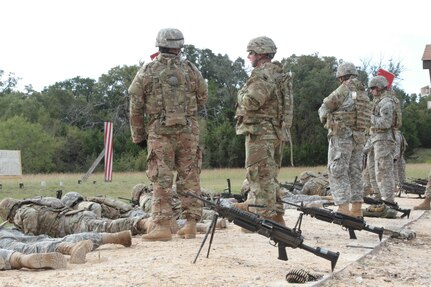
<point x="254" y="94"/>
<point x="384" y="119"/>
<point x="26" y="218"/>
<point x="201" y="87"/>
<point x="137" y="92"/>
<point x="332" y="102"/>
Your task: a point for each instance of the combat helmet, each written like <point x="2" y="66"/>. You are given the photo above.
<point x="378" y="81"/>
<point x="346" y="68"/>
<point x="262" y="45"/>
<point x="170" y="38"/>
<point x="72" y="198"/>
<point x="5" y="207"/>
<point x="138" y="190"/>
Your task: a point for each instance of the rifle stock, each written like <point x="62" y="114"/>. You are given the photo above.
<point x="282" y="236"/>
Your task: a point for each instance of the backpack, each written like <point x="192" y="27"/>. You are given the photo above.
<point x="285" y="99"/>
<point x="285" y="106"/>
<point x="398" y="114"/>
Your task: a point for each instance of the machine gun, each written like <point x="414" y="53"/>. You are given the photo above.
<point x="229" y="194"/>
<point x="421" y="181"/>
<point x="349" y="222"/>
<point x="279" y="235"/>
<point x="292" y="186"/>
<point x="414" y="188"/>
<point x="393" y="205"/>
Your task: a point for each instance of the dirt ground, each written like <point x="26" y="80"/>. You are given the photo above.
<point x="247" y="259"/>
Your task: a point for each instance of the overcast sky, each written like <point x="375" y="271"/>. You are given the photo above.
<point x="47" y="41"/>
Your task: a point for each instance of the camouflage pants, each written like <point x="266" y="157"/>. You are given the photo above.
<point x="5" y="259"/>
<point x="400" y="171"/>
<point x="169" y="153"/>
<point x="86" y="221"/>
<point x="27" y="244"/>
<point x="428" y="188"/>
<point x="381" y="169"/>
<point x="263" y="162"/>
<point x="345" y="169"/>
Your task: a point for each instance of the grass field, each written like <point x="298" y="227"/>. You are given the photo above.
<point x="122" y="183"/>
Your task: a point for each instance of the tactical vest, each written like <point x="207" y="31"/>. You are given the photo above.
<point x="359" y="118"/>
<point x="173" y="95"/>
<point x="398" y="116"/>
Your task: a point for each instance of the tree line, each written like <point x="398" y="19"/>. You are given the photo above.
<point x="60" y="129"/>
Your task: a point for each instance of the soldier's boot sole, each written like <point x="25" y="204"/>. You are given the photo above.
<point x="79" y="251"/>
<point x="51" y="260"/>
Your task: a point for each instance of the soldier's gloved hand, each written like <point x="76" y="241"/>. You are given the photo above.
<point x="142" y="144"/>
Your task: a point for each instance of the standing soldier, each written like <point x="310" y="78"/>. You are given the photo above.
<point x="164" y="99"/>
<point x="346" y="115"/>
<point x="385" y="120"/>
<point x="260" y="118"/>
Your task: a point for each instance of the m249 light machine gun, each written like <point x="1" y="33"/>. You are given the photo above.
<point x="348" y="222"/>
<point x="279" y="235"/>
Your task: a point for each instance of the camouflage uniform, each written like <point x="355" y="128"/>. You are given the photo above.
<point x="318" y="185"/>
<point x="5" y="256"/>
<point x="346" y="139"/>
<point x="49" y="216"/>
<point x="257" y="117"/>
<point x="381" y="143"/>
<point x="399" y="161"/>
<point x="24" y="243"/>
<point x="145" y="200"/>
<point x="164" y="98"/>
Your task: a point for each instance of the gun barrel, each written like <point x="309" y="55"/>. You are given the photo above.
<point x="376" y="230"/>
<point x="324" y="253"/>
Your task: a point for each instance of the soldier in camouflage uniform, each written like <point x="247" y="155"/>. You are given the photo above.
<point x="425" y="205"/>
<point x="258" y="118"/>
<point x="345" y="113"/>
<point x="381" y="143"/>
<point x="317" y="185"/>
<point x="76" y="245"/>
<point x="103" y="206"/>
<point x="142" y="196"/>
<point x="51" y="217"/>
<point x="399" y="161"/>
<point x="164" y="99"/>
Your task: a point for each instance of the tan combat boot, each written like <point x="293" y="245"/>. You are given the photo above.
<point x="344" y="209"/>
<point x="189" y="230"/>
<point x="425" y="205"/>
<point x="77" y="251"/>
<point x="123" y="237"/>
<point x="174" y="226"/>
<point x="145" y="225"/>
<point x="356" y="210"/>
<point x="51" y="260"/>
<point x="159" y="231"/>
<point x="279" y="218"/>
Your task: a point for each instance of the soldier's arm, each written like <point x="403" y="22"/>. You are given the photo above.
<point x="136" y="93"/>
<point x="255" y="94"/>
<point x="201" y="87"/>
<point x="386" y="114"/>
<point x="27" y="220"/>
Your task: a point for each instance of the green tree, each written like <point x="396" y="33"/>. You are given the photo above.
<point x="37" y="147"/>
